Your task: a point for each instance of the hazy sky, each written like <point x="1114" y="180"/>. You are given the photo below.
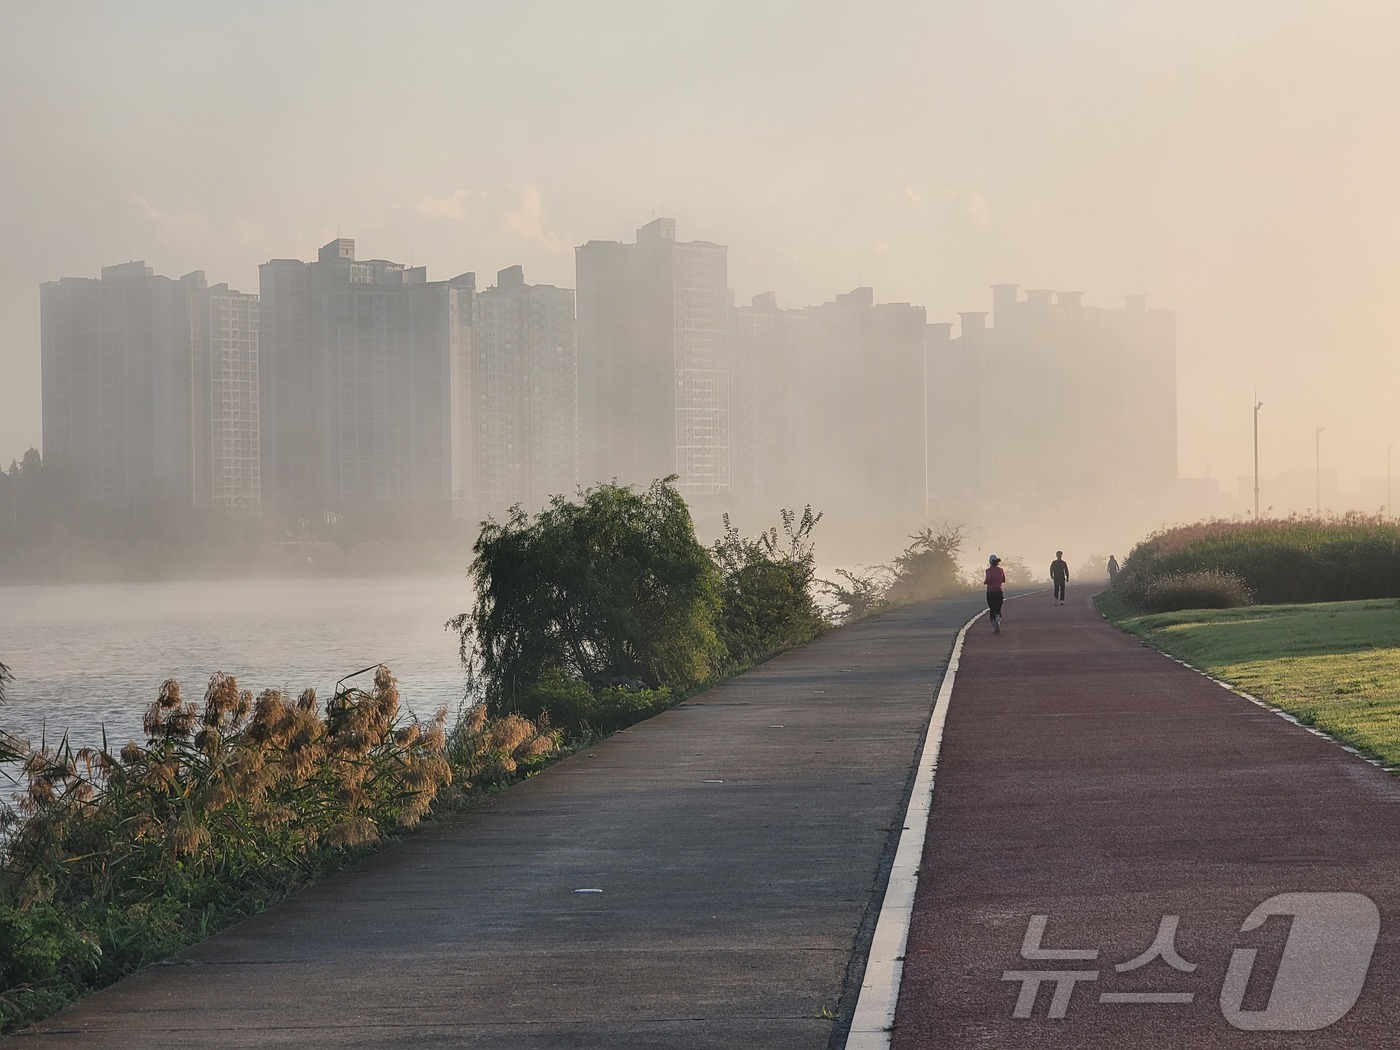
<point x="1237" y="161"/>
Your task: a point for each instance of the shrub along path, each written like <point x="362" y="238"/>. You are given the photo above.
<point x="703" y="879"/>
<point x="1086" y="778"/>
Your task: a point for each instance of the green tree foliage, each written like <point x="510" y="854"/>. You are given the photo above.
<point x="767" y="596"/>
<point x="611" y="588"/>
<point x="928" y="568"/>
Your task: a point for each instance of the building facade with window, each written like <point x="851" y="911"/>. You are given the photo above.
<point x="365" y="365"/>
<point x="525" y="393"/>
<point x="150" y="387"/>
<point x="653" y="351"/>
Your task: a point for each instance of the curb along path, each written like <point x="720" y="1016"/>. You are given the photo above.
<point x="728" y="850"/>
<point x="1105" y="821"/>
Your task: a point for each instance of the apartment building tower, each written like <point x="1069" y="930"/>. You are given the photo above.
<point x="226" y="401"/>
<point x="653" y="346"/>
<point x="365" y="378"/>
<point x="858" y="376"/>
<point x="150" y="387"/>
<point x="524" y="393"/>
<point x="762" y="406"/>
<point x="1053" y="397"/>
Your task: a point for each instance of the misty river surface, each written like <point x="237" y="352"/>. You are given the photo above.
<point x="89" y="655"/>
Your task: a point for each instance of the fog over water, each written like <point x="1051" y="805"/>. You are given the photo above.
<point x="85" y="656"/>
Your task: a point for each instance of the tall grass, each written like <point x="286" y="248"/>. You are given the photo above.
<point x="112" y="859"/>
<point x="1287" y="560"/>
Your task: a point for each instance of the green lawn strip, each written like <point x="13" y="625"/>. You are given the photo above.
<point x="1333" y="665"/>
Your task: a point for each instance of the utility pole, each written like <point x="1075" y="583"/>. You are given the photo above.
<point x="1388" y="512"/>
<point x="1257" y="406"/>
<point x="926" y="455"/>
<point x="1317" y="437"/>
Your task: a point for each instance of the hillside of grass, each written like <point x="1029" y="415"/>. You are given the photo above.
<point x="1333" y="665"/>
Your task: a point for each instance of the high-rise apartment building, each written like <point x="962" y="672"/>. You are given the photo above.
<point x="761" y="398"/>
<point x="1054" y="397"/>
<point x="859" y="380"/>
<point x="829" y="407"/>
<point x="365" y="375"/>
<point x="150" y="387"/>
<point x="524" y="393"/>
<point x="653" y="344"/>
<point x="225" y="406"/>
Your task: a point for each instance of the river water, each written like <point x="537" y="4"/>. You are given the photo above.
<point x="87" y="656"/>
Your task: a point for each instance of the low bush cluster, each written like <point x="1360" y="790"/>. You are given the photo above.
<point x="557" y="699"/>
<point x="1281" y="561"/>
<point x="766" y="588"/>
<point x="926" y="569"/>
<point x="1201" y="589"/>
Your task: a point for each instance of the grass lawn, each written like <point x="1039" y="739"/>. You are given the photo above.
<point x="1334" y="665"/>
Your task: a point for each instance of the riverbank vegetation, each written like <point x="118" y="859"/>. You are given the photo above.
<point x="597" y="612"/>
<point x="1227" y="564"/>
<point x="926" y="569"/>
<point x="115" y="858"/>
<point x="1332" y="665"/>
<point x="605" y="608"/>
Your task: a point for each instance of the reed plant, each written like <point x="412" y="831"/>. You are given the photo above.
<point x="111" y="859"/>
<point x="1201" y="589"/>
<point x="488" y="752"/>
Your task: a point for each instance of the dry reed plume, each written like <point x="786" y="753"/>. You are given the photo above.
<point x="232" y="778"/>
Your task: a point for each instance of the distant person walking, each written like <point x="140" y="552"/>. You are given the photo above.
<point x="996" y="580"/>
<point x="1059" y="576"/>
<point x="1112" y="570"/>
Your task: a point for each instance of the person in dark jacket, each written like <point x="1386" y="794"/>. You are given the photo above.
<point x="1112" y="570"/>
<point x="1059" y="576"/>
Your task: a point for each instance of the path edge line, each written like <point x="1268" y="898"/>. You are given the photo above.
<point x="873" y="1020"/>
<point x="1244" y="694"/>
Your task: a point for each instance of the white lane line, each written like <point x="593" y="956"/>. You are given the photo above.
<point x="1258" y="702"/>
<point x="1230" y="688"/>
<point x="879" y="991"/>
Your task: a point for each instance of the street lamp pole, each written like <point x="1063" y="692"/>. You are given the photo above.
<point x="1257" y="406"/>
<point x="1388" y="512"/>
<point x="1317" y="438"/>
<point x="926" y="453"/>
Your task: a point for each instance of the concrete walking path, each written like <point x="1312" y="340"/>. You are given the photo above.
<point x="1089" y="780"/>
<point x="705" y="879"/>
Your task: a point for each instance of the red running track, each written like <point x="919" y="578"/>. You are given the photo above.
<point x="1089" y="779"/>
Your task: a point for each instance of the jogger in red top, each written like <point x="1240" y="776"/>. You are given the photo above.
<point x="996" y="580"/>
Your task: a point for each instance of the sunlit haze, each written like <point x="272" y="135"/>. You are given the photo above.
<point x="1236" y="162"/>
